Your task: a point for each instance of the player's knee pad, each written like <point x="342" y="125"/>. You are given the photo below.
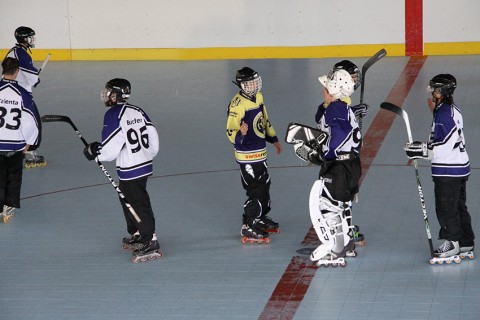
<point x="327" y="217"/>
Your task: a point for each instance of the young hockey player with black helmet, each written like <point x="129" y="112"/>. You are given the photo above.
<point x="450" y="168"/>
<point x="28" y="78"/>
<point x="332" y="194"/>
<point x="19" y="128"/>
<point x="248" y="129"/>
<point x="130" y="138"/>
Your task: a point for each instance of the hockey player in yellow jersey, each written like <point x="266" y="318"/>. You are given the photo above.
<point x="249" y="129"/>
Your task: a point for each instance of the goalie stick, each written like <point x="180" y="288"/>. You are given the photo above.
<point x="60" y="118"/>
<point x="377" y="56"/>
<point x="402" y="113"/>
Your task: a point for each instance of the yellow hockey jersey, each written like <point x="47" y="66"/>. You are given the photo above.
<point x="250" y="148"/>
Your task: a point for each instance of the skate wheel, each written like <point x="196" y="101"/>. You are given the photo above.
<point x="432" y="262"/>
<point x="448" y="261"/>
<point x="267" y="240"/>
<point x="457" y="260"/>
<point x="244" y="240"/>
<point x="343" y="264"/>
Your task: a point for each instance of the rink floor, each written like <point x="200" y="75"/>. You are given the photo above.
<point x="61" y="255"/>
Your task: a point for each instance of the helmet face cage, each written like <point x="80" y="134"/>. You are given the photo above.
<point x="105" y="96"/>
<point x="339" y="83"/>
<point x="251" y="87"/>
<point x="31" y="41"/>
<point x="248" y="80"/>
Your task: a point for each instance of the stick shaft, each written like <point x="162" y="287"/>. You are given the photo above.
<point x="60" y="118"/>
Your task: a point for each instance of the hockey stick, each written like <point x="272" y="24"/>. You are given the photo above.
<point x="59" y="118"/>
<point x="377" y="56"/>
<point x="402" y="113"/>
<point x="44" y="63"/>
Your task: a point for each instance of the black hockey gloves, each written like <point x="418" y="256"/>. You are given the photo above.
<point x="418" y="150"/>
<point x="92" y="150"/>
<point x="360" y="110"/>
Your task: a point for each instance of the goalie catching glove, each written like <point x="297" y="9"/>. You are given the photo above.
<point x="92" y="150"/>
<point x="418" y="150"/>
<point x="311" y="150"/>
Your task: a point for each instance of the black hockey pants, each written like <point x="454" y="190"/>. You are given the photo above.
<point x="342" y="177"/>
<point x="452" y="213"/>
<point x="256" y="182"/>
<point x="11" y="169"/>
<point x="135" y="191"/>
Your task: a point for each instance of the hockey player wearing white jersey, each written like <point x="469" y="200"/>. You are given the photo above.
<point x="19" y="130"/>
<point x="130" y="138"/>
<point x="332" y="194"/>
<point x="450" y="167"/>
<point x="28" y="78"/>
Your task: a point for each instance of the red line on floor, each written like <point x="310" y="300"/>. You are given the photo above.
<point x="295" y="281"/>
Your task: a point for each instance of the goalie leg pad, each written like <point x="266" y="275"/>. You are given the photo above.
<point x="328" y="220"/>
<point x="348" y="235"/>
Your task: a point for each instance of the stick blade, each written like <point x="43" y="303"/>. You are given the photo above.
<point x="55" y="118"/>
<point x="377" y="56"/>
<point x="402" y="113"/>
<point x="394" y="108"/>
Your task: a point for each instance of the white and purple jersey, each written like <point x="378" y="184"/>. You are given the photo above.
<point x="338" y="120"/>
<point x="19" y="121"/>
<point x="450" y="158"/>
<point x="28" y="75"/>
<point x="129" y="136"/>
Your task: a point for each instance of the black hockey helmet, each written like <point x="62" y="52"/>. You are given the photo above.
<point x="25" y="35"/>
<point x="248" y="80"/>
<point x="351" y="68"/>
<point x="245" y="74"/>
<point x="443" y="83"/>
<point x="121" y="88"/>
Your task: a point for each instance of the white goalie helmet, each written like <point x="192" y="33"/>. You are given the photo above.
<point x="339" y="83"/>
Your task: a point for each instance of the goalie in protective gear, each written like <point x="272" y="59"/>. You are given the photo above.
<point x="331" y="196"/>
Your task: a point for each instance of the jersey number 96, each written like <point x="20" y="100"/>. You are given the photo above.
<point x="138" y="139"/>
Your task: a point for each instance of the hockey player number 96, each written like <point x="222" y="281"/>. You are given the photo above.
<point x="138" y="140"/>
